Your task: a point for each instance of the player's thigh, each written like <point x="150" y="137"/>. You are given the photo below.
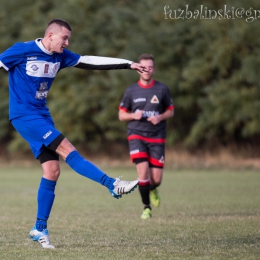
<point x="143" y="170"/>
<point x="65" y="148"/>
<point x="49" y="160"/>
<point x="138" y="149"/>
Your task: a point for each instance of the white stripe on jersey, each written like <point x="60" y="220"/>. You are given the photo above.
<point x="41" y="68"/>
<point x="98" y="60"/>
<point x="3" y="66"/>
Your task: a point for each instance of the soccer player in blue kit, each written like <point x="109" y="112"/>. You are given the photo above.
<point x="146" y="105"/>
<point x="32" y="67"/>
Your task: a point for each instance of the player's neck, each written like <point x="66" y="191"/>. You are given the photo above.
<point x="45" y="45"/>
<point x="146" y="82"/>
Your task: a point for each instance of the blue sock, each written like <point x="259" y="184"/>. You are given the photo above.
<point x="45" y="201"/>
<point x="88" y="170"/>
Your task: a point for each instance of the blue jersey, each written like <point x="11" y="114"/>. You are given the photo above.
<point x="32" y="69"/>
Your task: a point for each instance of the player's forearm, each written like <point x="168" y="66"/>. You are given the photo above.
<point x="102" y="63"/>
<point x="125" y="116"/>
<point x="166" y="115"/>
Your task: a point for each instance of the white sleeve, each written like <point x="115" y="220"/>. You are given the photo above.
<point x="102" y="63"/>
<point x="3" y="66"/>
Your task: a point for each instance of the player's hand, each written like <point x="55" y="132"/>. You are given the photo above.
<point x="154" y="120"/>
<point x="140" y="68"/>
<point x="138" y="115"/>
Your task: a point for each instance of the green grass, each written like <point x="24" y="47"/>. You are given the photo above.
<point x="204" y="214"/>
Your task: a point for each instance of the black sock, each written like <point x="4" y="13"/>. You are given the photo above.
<point x="152" y="187"/>
<point x="145" y="194"/>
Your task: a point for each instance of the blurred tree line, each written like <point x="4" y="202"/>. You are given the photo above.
<point x="210" y="65"/>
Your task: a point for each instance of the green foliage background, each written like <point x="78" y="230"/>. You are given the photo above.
<point x="210" y="65"/>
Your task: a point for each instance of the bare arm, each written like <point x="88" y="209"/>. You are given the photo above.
<point x="125" y="116"/>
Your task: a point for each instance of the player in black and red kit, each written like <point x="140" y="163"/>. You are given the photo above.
<point x="146" y="105"/>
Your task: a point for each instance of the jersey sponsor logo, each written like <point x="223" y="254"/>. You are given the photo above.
<point x="32" y="58"/>
<point x="155" y="100"/>
<point x="47" y="134"/>
<point x="42" y="92"/>
<point x="56" y="67"/>
<point x="134" y="151"/>
<point x="139" y="100"/>
<point x="44" y="69"/>
<point x="34" y="67"/>
<point x="148" y="113"/>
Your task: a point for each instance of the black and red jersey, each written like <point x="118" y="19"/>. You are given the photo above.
<point x="153" y="99"/>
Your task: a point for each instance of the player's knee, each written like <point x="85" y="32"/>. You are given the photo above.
<point x="157" y="183"/>
<point x="56" y="174"/>
<point x="51" y="173"/>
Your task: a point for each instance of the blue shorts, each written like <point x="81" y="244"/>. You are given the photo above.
<point x="37" y="130"/>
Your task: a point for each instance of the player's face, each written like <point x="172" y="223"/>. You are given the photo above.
<point x="147" y="76"/>
<point x="60" y="40"/>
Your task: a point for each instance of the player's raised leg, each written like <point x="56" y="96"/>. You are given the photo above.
<point x="116" y="187"/>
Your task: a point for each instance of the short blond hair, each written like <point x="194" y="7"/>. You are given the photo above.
<point x="146" y="56"/>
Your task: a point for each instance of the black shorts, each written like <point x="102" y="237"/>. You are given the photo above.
<point x="49" y="153"/>
<point x="149" y="148"/>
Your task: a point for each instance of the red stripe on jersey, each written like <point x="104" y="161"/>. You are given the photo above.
<point x="144" y="86"/>
<point x="155" y="162"/>
<point x="147" y="139"/>
<point x="170" y="108"/>
<point x="122" y="108"/>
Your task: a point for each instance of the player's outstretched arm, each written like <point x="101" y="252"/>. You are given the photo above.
<point x="102" y="63"/>
<point x="106" y="63"/>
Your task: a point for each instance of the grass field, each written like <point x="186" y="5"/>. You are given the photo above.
<point x="205" y="214"/>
